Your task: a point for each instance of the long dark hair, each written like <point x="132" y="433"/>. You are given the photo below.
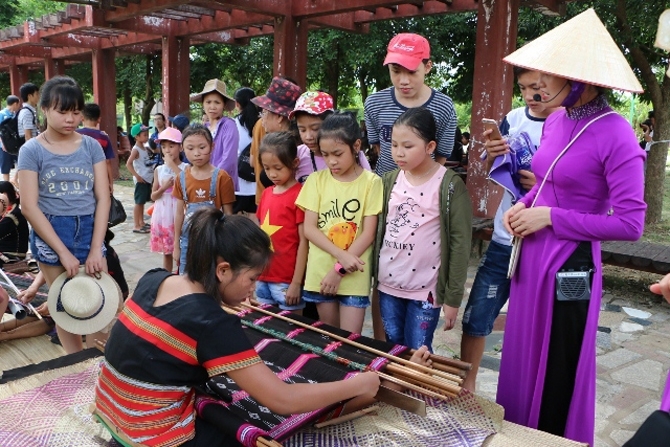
<point x="249" y="114"/>
<point x="342" y="127"/>
<point x="282" y="145"/>
<point x="214" y="237"/>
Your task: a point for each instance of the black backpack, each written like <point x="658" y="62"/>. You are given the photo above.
<point x="244" y="169"/>
<point x="9" y="133"/>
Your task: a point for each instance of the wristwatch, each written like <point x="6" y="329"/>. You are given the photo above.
<point x="339" y="269"/>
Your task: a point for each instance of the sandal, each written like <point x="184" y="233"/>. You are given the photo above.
<point x="141" y="231"/>
<point x="146" y="226"/>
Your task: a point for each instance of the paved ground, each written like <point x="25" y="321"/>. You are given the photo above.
<point x="633" y="344"/>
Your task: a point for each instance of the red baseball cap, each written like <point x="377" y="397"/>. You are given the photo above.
<point x="408" y="50"/>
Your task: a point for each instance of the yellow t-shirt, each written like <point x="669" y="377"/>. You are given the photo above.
<point x="341" y="207"/>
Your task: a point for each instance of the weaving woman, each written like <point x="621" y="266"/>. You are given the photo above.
<point x="589" y="189"/>
<point x="173" y="336"/>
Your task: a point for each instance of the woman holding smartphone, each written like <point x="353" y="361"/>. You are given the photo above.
<point x="589" y="188"/>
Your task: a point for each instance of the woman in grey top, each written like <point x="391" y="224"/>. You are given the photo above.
<point x="65" y="192"/>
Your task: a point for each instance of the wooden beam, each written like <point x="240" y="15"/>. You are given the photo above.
<point x="275" y="8"/>
<point x="345" y="22"/>
<point x="144" y="7"/>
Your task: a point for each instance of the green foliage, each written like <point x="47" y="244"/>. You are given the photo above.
<point x="22" y="10"/>
<point x="8" y="10"/>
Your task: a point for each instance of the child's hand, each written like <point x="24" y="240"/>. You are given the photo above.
<point x="26" y="296"/>
<point x="94" y="263"/>
<point x="293" y="294"/>
<point x="70" y="264"/>
<point x="350" y="262"/>
<point x="176" y="253"/>
<point x="422" y="356"/>
<point x="168" y="184"/>
<point x="450" y="314"/>
<point x="139" y="179"/>
<point x="330" y="283"/>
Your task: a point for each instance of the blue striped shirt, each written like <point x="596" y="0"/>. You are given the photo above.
<point x="381" y="111"/>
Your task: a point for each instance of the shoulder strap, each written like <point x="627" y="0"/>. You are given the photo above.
<point x="213" y="182"/>
<point x="182" y="180"/>
<point x="31" y="112"/>
<point x="551" y="168"/>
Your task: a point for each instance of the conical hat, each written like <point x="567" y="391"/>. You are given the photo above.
<point x="580" y="49"/>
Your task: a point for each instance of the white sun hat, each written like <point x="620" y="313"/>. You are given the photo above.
<point x="580" y="49"/>
<point x="84" y="304"/>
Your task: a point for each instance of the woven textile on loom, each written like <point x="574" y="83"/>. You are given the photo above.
<point x="293" y="363"/>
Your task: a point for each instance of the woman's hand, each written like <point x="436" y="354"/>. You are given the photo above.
<point x="450" y="314"/>
<point x="350" y="262"/>
<point x="528" y="221"/>
<point x="330" y="283"/>
<point x="293" y="294"/>
<point x="69" y="263"/>
<point x="368" y="383"/>
<point x="510" y="214"/>
<point x="662" y="287"/>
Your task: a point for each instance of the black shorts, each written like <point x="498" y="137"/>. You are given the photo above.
<point x="142" y="193"/>
<point x="245" y="204"/>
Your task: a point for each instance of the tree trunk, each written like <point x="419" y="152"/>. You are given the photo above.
<point x="333" y="76"/>
<point x="128" y="106"/>
<point x="362" y="75"/>
<point x="149" y="101"/>
<point x="656" y="160"/>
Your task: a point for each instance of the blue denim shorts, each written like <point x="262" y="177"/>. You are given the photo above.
<point x="76" y="232"/>
<point x="408" y="322"/>
<point x="490" y="291"/>
<point x="344" y="300"/>
<point x="274" y="293"/>
<point x="183" y="246"/>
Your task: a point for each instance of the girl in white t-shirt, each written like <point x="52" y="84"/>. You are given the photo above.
<point x="423" y="245"/>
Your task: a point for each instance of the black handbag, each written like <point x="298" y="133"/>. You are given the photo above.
<point x="117" y="214"/>
<point x="244" y="169"/>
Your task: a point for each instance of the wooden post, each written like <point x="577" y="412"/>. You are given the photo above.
<point x="176" y="69"/>
<point x="290" y="49"/>
<point x="492" y="93"/>
<point x="104" y="94"/>
<point x="18" y="75"/>
<point x="53" y="67"/>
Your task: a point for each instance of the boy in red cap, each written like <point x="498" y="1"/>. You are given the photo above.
<point x="408" y="58"/>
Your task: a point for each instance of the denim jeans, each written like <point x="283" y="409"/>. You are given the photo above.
<point x="274" y="294"/>
<point x="490" y="291"/>
<point x="408" y="322"/>
<point x="344" y="300"/>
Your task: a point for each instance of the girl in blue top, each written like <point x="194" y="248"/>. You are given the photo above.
<point x="65" y="192"/>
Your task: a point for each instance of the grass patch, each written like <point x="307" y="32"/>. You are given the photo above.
<point x="660" y="232"/>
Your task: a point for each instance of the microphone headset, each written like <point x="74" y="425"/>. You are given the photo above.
<point x="538" y="98"/>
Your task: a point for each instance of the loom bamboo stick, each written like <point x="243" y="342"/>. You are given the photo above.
<point x="428" y="386"/>
<point x="424" y="378"/>
<point x="441" y="367"/>
<point x="447" y="361"/>
<point x="411" y="386"/>
<point x="262" y="442"/>
<point x="348" y="417"/>
<point x="355" y="344"/>
<point x="362" y="367"/>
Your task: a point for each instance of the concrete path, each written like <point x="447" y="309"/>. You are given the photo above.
<point x="633" y="344"/>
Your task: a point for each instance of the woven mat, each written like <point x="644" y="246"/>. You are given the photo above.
<point x="51" y="409"/>
<point x="465" y="421"/>
<point x="25" y="351"/>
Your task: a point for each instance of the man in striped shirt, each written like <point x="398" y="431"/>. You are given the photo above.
<point x="408" y="58"/>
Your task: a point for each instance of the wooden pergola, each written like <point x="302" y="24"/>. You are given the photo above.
<point x="99" y="30"/>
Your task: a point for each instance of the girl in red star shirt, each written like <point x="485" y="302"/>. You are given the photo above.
<point x="281" y="282"/>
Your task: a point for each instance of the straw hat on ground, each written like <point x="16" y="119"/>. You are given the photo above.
<point x="215" y="85"/>
<point x="84" y="304"/>
<point x="580" y="49"/>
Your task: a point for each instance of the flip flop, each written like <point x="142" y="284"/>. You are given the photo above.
<point x="141" y="230"/>
<point x="146" y="226"/>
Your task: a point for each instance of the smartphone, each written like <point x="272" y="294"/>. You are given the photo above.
<point x="491" y="124"/>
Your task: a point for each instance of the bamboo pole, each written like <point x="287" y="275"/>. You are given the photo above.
<point x="424" y="378"/>
<point x="348" y="417"/>
<point x="440" y="366"/>
<point x="447" y="361"/>
<point x="355" y="344"/>
<point x="263" y="442"/>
